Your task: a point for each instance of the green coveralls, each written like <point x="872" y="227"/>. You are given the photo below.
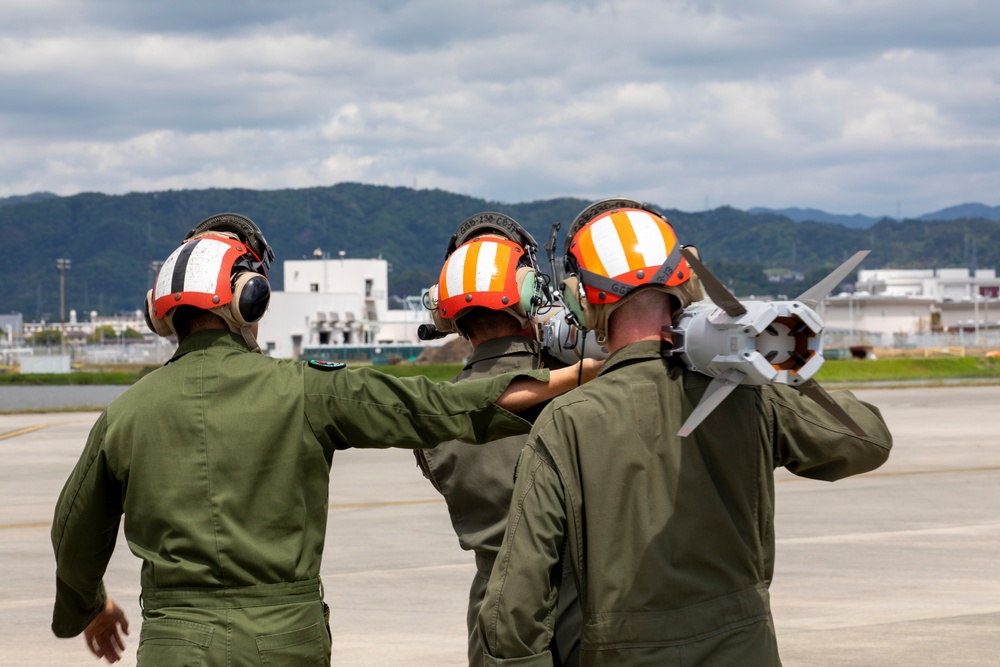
<point x="671" y="539"/>
<point x="220" y="463"/>
<point x="477" y="483"/>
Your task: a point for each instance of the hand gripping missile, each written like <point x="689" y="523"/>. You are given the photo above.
<point x="756" y="342"/>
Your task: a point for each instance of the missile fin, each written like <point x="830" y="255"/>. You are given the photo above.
<point x="720" y="296"/>
<point x="812" y="296"/>
<point x="813" y="390"/>
<point x="717" y="390"/>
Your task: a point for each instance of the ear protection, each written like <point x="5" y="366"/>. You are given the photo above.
<point x="576" y="301"/>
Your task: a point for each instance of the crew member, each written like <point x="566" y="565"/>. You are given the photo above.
<point x="489" y="292"/>
<point x="671" y="539"/>
<point x="219" y="462"/>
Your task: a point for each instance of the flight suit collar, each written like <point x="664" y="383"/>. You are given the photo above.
<point x="642" y="351"/>
<point x="501" y="347"/>
<point x="202" y="340"/>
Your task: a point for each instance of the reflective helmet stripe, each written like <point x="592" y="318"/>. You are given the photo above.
<point x="476" y="267"/>
<point x="588" y="251"/>
<point x="453" y="275"/>
<point x="650" y="238"/>
<point x="625" y="228"/>
<point x="194" y="267"/>
<point x="623" y="242"/>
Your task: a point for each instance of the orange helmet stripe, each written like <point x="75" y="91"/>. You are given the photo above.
<point x="471" y="268"/>
<point x="588" y="253"/>
<point x="629" y="241"/>
<point x="497" y="277"/>
<point x="478" y="266"/>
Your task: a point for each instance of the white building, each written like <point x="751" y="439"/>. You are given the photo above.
<point x="336" y="302"/>
<point x="942" y="284"/>
<point x="898" y="303"/>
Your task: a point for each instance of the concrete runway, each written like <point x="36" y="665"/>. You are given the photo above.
<point x="898" y="567"/>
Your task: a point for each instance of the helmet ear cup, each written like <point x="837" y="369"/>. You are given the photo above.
<point x="575" y="299"/>
<point x="157" y="326"/>
<point x="431" y="298"/>
<point x="430" y="301"/>
<point x="528" y="289"/>
<point x="251" y="294"/>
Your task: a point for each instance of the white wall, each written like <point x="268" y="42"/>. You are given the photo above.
<point x="334" y="301"/>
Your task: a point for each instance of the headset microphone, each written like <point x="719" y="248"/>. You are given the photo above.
<point x="430" y="332"/>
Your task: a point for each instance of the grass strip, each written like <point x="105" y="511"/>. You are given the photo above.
<point x="833" y="370"/>
<point x="914" y="368"/>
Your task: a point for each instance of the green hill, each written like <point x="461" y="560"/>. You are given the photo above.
<point x="111" y="240"/>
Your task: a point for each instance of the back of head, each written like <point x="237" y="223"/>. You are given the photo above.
<point x="220" y="268"/>
<point x="615" y="247"/>
<point x="489" y="267"/>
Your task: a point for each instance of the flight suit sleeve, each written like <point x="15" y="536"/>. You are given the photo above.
<point x="517" y="618"/>
<point x="366" y="408"/>
<point x="810" y="442"/>
<point x="84" y="532"/>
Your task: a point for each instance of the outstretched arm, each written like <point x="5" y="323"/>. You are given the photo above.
<point x="525" y="392"/>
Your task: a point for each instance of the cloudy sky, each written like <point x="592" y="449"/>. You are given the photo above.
<point x="852" y="106"/>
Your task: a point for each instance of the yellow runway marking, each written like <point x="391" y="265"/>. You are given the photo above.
<point x="29" y="429"/>
<point x="41" y="524"/>
<point x="387" y="503"/>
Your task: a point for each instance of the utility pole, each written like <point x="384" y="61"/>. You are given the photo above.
<point x="154" y="270"/>
<point x="63" y="265"/>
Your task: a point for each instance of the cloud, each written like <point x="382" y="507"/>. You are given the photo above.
<point x="838" y="104"/>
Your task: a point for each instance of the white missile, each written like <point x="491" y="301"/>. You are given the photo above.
<point x="755" y="342"/>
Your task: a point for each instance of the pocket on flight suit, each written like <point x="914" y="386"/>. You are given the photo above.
<point x="167" y="642"/>
<point x="296" y="648"/>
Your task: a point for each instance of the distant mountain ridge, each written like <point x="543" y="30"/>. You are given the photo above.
<point x="27" y="199"/>
<point x="855" y="220"/>
<point x="859" y="221"/>
<point x="962" y="211"/>
<point x="113" y="239"/>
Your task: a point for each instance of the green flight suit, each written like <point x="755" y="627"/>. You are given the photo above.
<point x="220" y="463"/>
<point x="477" y="483"/>
<point x="671" y="539"/>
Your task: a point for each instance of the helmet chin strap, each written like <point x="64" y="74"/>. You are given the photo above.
<point x="244" y="330"/>
<point x="250" y="340"/>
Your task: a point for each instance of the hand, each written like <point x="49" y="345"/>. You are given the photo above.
<point x="589" y="369"/>
<point x="104" y="634"/>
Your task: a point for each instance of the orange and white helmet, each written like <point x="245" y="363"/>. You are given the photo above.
<point x="614" y="247"/>
<point x="488" y="272"/>
<point x="217" y="271"/>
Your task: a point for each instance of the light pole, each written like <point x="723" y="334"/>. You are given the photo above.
<point x="63" y="265"/>
<point x="154" y="270"/>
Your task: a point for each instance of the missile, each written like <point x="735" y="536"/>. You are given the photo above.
<point x="756" y="342"/>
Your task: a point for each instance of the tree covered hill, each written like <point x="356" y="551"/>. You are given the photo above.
<point x="111" y="240"/>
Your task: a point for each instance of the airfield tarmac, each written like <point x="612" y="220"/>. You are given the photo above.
<point x="899" y="567"/>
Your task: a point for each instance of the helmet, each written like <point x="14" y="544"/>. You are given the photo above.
<point x="242" y="228"/>
<point x="490" y="263"/>
<point x="614" y="247"/>
<point x="489" y="272"/>
<point x="215" y="272"/>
